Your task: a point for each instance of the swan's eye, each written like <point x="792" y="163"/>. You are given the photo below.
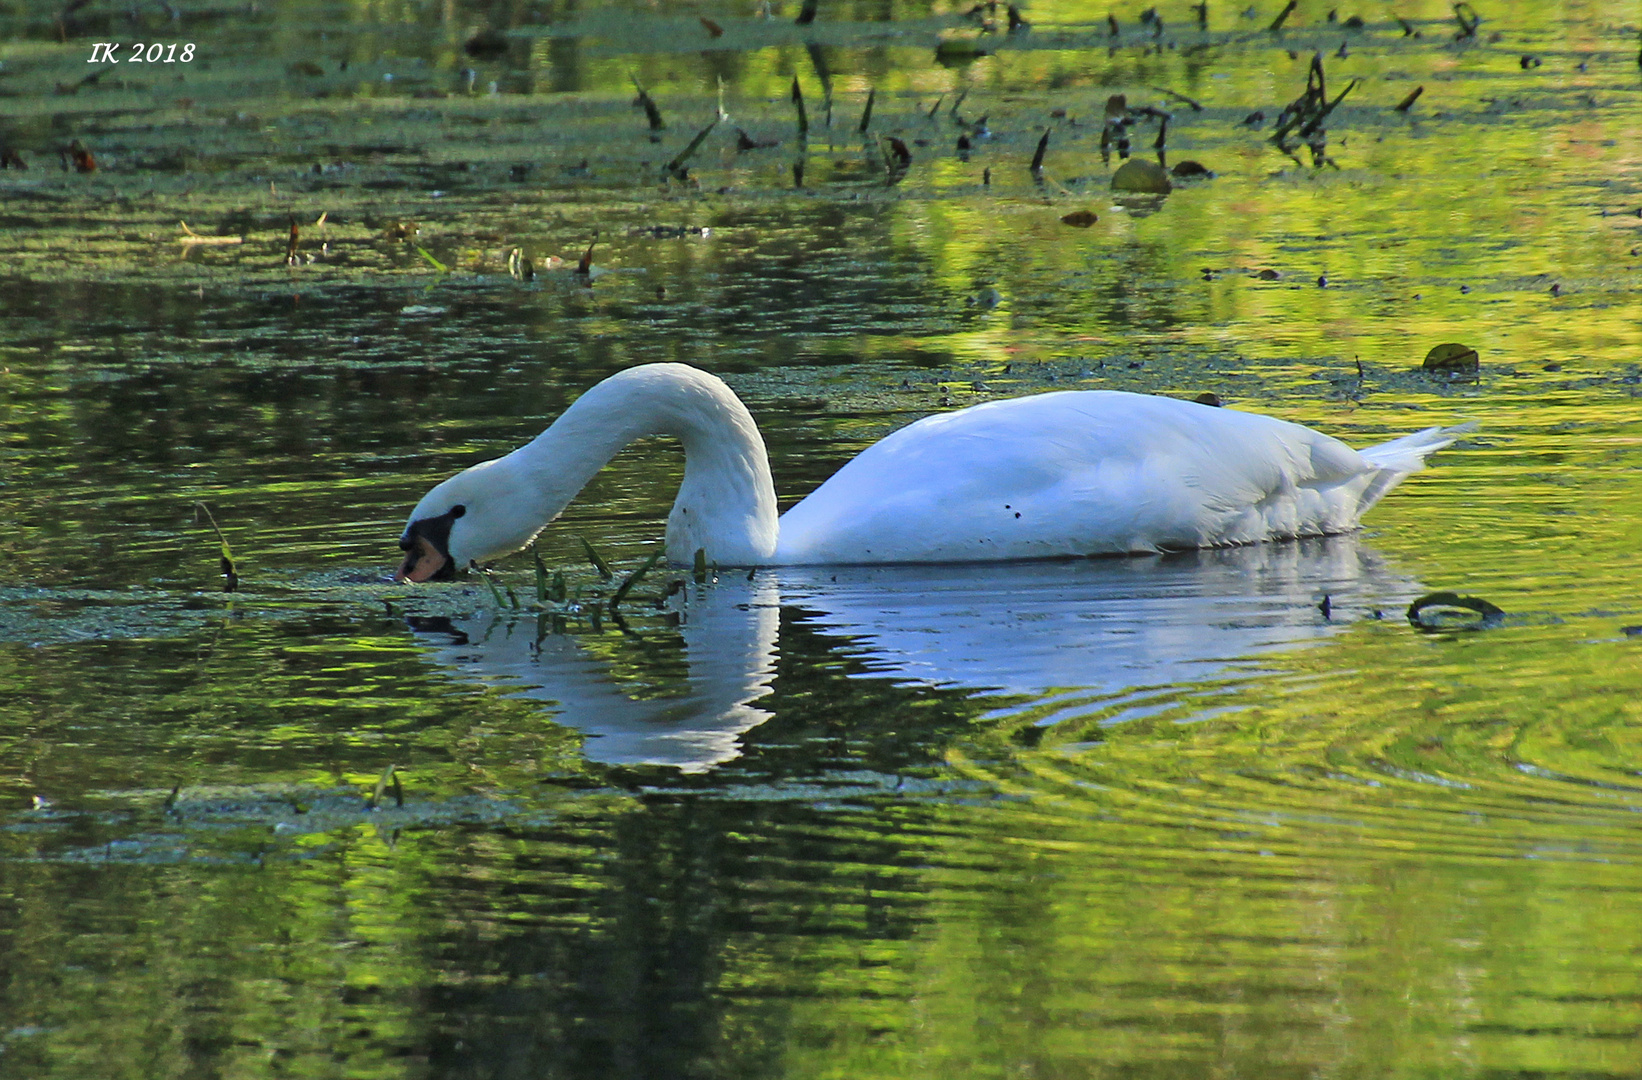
<point x="458" y="510"/>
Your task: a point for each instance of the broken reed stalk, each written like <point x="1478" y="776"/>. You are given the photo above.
<point x="1308" y="111"/>
<point x="390" y="775"/>
<point x="631" y="580"/>
<point x="230" y="577"/>
<point x="1037" y="158"/>
<point x="1196" y="106"/>
<point x="866" y="113"/>
<point x="651" y="112"/>
<point x="593" y="557"/>
<point x="541" y="575"/>
<point x="1316" y="122"/>
<point x="675" y="168"/>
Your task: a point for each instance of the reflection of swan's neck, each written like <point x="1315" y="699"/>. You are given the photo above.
<point x="726" y="504"/>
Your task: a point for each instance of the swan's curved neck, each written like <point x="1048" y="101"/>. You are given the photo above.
<point x="726" y="504"/>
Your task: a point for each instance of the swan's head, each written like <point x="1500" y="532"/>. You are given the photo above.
<point x="474" y="516"/>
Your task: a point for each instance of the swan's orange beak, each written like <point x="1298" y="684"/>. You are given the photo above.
<point x="424" y="562"/>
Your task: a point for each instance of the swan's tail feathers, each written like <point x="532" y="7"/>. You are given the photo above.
<point x="1399" y="457"/>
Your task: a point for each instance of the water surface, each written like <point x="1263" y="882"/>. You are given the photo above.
<point x="1153" y="817"/>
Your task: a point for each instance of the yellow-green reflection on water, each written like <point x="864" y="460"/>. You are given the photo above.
<point x="1191" y="828"/>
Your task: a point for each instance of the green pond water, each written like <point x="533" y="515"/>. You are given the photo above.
<point x="1149" y="817"/>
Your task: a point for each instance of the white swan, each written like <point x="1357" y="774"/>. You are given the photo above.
<point x="1084" y="472"/>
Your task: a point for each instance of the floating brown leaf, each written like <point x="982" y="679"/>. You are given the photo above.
<point x="1081" y="219"/>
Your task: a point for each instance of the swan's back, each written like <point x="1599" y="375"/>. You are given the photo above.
<point x="1085" y="473"/>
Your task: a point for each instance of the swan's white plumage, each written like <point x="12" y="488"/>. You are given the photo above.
<point x="1067" y="473"/>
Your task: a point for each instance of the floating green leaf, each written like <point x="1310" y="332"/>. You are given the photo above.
<point x="593" y="557"/>
<point x="1142" y="175"/>
<point x="541" y="576"/>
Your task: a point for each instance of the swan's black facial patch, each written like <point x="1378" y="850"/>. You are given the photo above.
<point x="426" y="545"/>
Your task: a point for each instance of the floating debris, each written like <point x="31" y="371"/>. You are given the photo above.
<point x="744" y="141"/>
<point x="1469" y="20"/>
<point x="1080" y="219"/>
<point x="1450" y="611"/>
<point x="1142" y="176"/>
<point x="1452" y="358"/>
<point x="1408" y="102"/>
<point x="189" y="236"/>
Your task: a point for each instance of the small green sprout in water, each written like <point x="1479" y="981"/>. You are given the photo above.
<point x="230" y="577"/>
<point x="700" y="570"/>
<point x="598" y="564"/>
<point x="435" y="263"/>
<point x="541" y="575"/>
<point x="495" y="593"/>
<point x="389" y="776"/>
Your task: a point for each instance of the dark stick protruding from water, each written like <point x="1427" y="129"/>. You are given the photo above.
<point x="651" y="112"/>
<point x="1196" y="106"/>
<point x="1408" y="102"/>
<point x="803" y="117"/>
<point x="1037" y="158"/>
<point x="1282" y="16"/>
<point x="806" y="15"/>
<point x="631" y="580"/>
<point x="866" y="113"/>
<point x="675" y="168"/>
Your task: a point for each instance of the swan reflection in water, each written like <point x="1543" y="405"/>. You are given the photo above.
<point x="1044" y="629"/>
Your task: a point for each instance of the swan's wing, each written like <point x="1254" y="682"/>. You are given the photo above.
<point x="1076" y="473"/>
